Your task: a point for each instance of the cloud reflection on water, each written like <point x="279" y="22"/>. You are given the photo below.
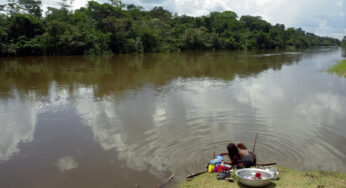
<point x="18" y="116"/>
<point x="66" y="163"/>
<point x="18" y="120"/>
<point x="295" y="114"/>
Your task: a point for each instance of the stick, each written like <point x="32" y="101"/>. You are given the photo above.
<point x="214" y="155"/>
<point x="266" y="164"/>
<point x="169" y="179"/>
<point x="254" y="145"/>
<point x="195" y="174"/>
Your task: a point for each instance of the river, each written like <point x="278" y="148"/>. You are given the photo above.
<point x="121" y="120"/>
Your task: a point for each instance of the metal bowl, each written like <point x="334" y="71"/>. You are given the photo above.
<point x="266" y="177"/>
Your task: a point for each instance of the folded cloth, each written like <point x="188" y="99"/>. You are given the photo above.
<point x="216" y="168"/>
<point x="222" y="168"/>
<point x="222" y="175"/>
<point x="211" y="168"/>
<point x="216" y="161"/>
<point x="219" y="157"/>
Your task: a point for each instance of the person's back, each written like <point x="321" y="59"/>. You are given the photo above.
<point x="246" y="159"/>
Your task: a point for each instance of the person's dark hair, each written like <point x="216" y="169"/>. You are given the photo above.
<point x="233" y="152"/>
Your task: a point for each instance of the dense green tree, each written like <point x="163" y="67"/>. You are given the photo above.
<point x="115" y="27"/>
<point x="24" y="25"/>
<point x="222" y="21"/>
<point x="255" y="23"/>
<point x="134" y="12"/>
<point x="343" y="42"/>
<point x="160" y="13"/>
<point x="33" y="7"/>
<point x="150" y="42"/>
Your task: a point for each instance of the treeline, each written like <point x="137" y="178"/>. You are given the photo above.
<point x="118" y="28"/>
<point x="343" y="42"/>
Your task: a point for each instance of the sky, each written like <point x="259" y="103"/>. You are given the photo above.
<point x="322" y="17"/>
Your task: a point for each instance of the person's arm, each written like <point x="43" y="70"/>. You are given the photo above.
<point x="233" y="163"/>
<point x="241" y="165"/>
<point x="222" y="154"/>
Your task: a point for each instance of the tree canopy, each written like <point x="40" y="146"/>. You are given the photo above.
<point x="343" y="42"/>
<point x="118" y="28"/>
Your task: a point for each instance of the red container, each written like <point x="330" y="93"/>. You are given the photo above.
<point x="258" y="176"/>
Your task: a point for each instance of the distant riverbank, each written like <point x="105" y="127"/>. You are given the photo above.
<point x="287" y="178"/>
<point x="119" y="28"/>
<point x="339" y="68"/>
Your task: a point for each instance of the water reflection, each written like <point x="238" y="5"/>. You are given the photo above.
<point x="300" y="111"/>
<point x="111" y="75"/>
<point x="18" y="121"/>
<point x="66" y="163"/>
<point x="138" y="118"/>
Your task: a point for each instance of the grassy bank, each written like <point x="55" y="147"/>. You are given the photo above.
<point x="287" y="178"/>
<point x="339" y="68"/>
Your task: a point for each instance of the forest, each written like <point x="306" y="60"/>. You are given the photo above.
<point x="114" y="27"/>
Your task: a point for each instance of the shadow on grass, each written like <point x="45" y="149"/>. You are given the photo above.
<point x="270" y="185"/>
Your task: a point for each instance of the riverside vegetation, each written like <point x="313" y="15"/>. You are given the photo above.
<point x="339" y="68"/>
<point x="118" y="28"/>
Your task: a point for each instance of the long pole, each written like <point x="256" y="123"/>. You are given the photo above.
<point x="254" y="145"/>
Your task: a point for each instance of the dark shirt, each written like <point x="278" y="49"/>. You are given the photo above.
<point x="247" y="160"/>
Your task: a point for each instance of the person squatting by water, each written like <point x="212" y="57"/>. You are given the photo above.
<point x="240" y="156"/>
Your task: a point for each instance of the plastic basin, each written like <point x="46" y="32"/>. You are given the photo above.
<point x="266" y="177"/>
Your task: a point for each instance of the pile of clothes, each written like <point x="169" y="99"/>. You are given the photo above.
<point x="218" y="165"/>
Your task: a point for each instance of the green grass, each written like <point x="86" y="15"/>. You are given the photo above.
<point x="287" y="178"/>
<point x="339" y="68"/>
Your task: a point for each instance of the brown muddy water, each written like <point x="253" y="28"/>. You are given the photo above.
<point x="122" y="120"/>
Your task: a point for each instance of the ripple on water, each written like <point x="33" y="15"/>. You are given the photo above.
<point x="193" y="139"/>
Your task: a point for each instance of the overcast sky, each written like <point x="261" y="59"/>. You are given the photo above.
<point x="323" y="17"/>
